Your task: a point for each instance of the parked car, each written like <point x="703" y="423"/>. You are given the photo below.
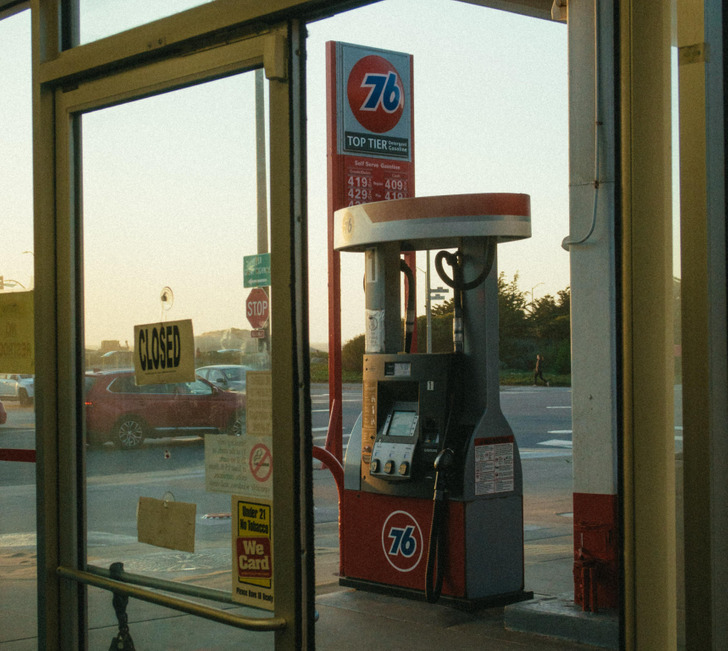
<point x="3" y="414"/>
<point x="17" y="386"/>
<point x="230" y="377"/>
<point x="119" y="411"/>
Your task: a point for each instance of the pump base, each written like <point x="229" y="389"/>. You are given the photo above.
<point x="461" y="603"/>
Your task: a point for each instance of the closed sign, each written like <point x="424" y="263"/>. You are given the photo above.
<point x="164" y="352"/>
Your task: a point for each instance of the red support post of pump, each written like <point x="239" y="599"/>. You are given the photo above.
<point x="333" y="438"/>
<point x="337" y="470"/>
<point x="334" y="264"/>
<point x="596" y="551"/>
<point x="332" y="463"/>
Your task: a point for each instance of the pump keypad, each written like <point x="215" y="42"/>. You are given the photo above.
<point x="392" y="460"/>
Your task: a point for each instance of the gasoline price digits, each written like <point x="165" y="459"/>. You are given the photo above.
<point x="395" y="188"/>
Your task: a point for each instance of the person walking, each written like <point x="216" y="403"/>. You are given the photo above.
<point x="538" y="371"/>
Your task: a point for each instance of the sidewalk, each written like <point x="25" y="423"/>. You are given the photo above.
<point x="348" y="619"/>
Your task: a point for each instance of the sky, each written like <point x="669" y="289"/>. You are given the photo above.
<point x="491" y="115"/>
<point x="169" y="181"/>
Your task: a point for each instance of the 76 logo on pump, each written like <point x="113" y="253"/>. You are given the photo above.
<point x="402" y="541"/>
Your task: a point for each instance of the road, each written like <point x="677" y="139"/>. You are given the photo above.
<point x="540" y="418"/>
<point x="174" y="468"/>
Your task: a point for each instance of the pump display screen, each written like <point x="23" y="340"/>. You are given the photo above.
<point x="403" y="423"/>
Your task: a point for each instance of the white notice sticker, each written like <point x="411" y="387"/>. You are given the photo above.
<point x="374" y="336"/>
<point x="494" y="466"/>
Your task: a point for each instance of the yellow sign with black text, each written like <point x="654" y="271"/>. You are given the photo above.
<point x="253" y="552"/>
<point x="164" y="352"/>
<point x="17" y="350"/>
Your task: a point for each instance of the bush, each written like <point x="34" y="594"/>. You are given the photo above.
<point x="352" y="354"/>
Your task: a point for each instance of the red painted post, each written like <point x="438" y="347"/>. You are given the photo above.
<point x="334" y="203"/>
<point x="11" y="454"/>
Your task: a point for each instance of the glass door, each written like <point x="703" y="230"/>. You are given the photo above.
<point x="169" y="215"/>
<point x="170" y="355"/>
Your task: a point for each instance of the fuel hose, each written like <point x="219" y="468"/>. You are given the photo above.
<point x="437" y="547"/>
<point x="455" y="260"/>
<point x="459" y="285"/>
<point x="410" y="320"/>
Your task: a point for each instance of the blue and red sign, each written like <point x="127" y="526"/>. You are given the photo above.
<point x="402" y="541"/>
<point x="375" y="93"/>
<point x="375" y="109"/>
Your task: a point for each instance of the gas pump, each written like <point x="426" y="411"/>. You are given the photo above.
<point x="432" y="505"/>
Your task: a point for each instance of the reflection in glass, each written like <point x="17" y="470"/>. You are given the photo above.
<point x="18" y="587"/>
<point x="169" y="210"/>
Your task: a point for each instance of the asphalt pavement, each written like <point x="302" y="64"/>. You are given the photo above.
<point x="348" y="618"/>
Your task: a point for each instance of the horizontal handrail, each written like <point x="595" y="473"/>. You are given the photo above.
<point x="259" y="624"/>
<point x="163" y="584"/>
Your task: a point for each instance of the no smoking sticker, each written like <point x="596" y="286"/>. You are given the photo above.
<point x="261" y="462"/>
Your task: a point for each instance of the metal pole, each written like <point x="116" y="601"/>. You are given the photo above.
<point x="428" y="305"/>
<point x="261" y="164"/>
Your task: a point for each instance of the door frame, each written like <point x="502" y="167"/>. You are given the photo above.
<point x="66" y="85"/>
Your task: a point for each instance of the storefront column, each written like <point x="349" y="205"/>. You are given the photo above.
<point x="594" y="275"/>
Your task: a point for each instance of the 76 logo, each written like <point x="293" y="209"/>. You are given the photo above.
<point x="384" y="91"/>
<point x="403" y="542"/>
<point x="376" y="95"/>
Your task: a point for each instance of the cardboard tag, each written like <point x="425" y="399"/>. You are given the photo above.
<point x="166" y="524"/>
<point x="259" y="403"/>
<point x="16" y="333"/>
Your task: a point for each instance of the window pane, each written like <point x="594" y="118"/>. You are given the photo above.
<point x="101" y="18"/>
<point x="169" y="213"/>
<point x="18" y="593"/>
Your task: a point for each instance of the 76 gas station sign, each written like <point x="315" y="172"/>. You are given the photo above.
<point x="374" y="149"/>
<point x="375" y="102"/>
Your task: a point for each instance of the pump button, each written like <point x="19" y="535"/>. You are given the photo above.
<point x="404" y="468"/>
<point x="375" y="465"/>
<point x="389" y="467"/>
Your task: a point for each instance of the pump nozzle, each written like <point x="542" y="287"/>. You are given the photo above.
<point x="444" y="460"/>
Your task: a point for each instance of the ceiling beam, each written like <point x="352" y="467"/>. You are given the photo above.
<point x="535" y="8"/>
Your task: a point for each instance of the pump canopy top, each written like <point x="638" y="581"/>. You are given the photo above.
<point x="439" y="222"/>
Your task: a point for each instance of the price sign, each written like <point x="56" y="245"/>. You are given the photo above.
<point x="372" y="153"/>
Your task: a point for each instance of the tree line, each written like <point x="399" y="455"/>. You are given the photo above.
<point x="526" y="327"/>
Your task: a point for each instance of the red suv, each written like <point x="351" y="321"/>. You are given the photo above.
<point x="119" y="411"/>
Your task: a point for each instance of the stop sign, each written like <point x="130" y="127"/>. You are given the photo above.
<point x="257" y="307"/>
